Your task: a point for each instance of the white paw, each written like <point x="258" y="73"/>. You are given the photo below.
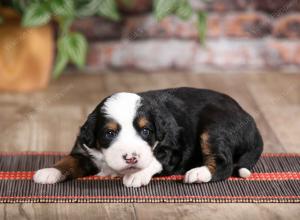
<point x="198" y="175"/>
<point x="244" y="172"/>
<point x="137" y="179"/>
<point x="48" y="176"/>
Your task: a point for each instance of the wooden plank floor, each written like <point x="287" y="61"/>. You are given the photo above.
<point x="49" y="120"/>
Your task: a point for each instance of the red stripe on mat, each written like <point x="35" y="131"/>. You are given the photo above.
<point x="19" y="175"/>
<point x="64" y="154"/>
<point x="150" y="197"/>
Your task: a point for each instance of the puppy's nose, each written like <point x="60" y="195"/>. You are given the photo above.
<point x="130" y="159"/>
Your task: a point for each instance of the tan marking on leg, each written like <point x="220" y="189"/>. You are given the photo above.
<point x="208" y="156"/>
<point x="69" y="166"/>
<point x="142" y="122"/>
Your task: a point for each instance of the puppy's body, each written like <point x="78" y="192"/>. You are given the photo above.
<point x="203" y="134"/>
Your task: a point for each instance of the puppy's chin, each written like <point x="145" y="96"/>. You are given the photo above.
<point x="129" y="170"/>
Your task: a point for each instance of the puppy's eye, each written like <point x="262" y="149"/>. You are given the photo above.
<point x="145" y="132"/>
<point x="110" y="134"/>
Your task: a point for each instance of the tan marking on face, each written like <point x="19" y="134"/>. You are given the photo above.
<point x="112" y="126"/>
<point x="142" y="122"/>
<point x="208" y="156"/>
<point x="69" y="166"/>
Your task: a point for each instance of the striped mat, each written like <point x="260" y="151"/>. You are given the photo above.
<point x="275" y="179"/>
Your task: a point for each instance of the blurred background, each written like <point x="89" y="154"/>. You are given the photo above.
<point x="58" y="59"/>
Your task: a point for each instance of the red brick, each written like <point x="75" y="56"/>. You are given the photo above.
<point x="160" y="54"/>
<point x="147" y="26"/>
<point x="214" y="25"/>
<point x="249" y="24"/>
<point x="276" y="7"/>
<point x="136" y="6"/>
<point x="97" y="28"/>
<point x="227" y="5"/>
<point x="198" y="5"/>
<point x="100" y="55"/>
<point x="229" y="55"/>
<point x="287" y="52"/>
<point x="287" y="26"/>
<point x="220" y="5"/>
<point x="143" y="55"/>
<point x="217" y="55"/>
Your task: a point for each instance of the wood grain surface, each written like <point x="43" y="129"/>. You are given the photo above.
<point x="49" y="120"/>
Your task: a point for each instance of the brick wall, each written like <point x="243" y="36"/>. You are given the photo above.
<point x="242" y="35"/>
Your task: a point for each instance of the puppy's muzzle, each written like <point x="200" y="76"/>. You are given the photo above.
<point x="130" y="158"/>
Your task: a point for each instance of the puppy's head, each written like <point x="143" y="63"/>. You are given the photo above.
<point x="120" y="128"/>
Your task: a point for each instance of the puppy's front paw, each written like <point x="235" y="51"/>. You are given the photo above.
<point x="48" y="176"/>
<point x="198" y="175"/>
<point x="137" y="179"/>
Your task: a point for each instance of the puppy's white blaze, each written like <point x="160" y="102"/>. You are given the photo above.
<point x="122" y="107"/>
<point x="48" y="176"/>
<point x="244" y="172"/>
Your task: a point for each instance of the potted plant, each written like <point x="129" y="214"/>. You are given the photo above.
<point x="25" y="54"/>
<point x="27" y="39"/>
<point x="27" y="44"/>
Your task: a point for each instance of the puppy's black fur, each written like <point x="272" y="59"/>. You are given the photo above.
<point x="181" y="115"/>
<point x="182" y="120"/>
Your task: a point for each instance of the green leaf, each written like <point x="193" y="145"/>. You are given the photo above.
<point x="21" y="5"/>
<point x="105" y="8"/>
<point x="63" y="44"/>
<point x="108" y="9"/>
<point x="86" y="7"/>
<point x="64" y="24"/>
<point x="36" y="14"/>
<point x="163" y="8"/>
<point x="74" y="45"/>
<point x="62" y="7"/>
<point x="78" y="49"/>
<point x="184" y="10"/>
<point x="60" y="63"/>
<point x="201" y="18"/>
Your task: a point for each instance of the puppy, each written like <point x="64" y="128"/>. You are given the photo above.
<point x="199" y="133"/>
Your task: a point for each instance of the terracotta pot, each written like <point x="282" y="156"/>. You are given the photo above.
<point x="26" y="54"/>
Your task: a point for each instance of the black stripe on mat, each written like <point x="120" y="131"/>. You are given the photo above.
<point x="93" y="191"/>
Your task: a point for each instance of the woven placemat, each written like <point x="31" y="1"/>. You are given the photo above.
<point x="275" y="179"/>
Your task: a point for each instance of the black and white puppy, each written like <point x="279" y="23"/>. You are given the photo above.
<point x="199" y="133"/>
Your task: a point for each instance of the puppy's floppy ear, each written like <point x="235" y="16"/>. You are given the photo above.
<point x="87" y="133"/>
<point x="168" y="134"/>
<point x="167" y="129"/>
